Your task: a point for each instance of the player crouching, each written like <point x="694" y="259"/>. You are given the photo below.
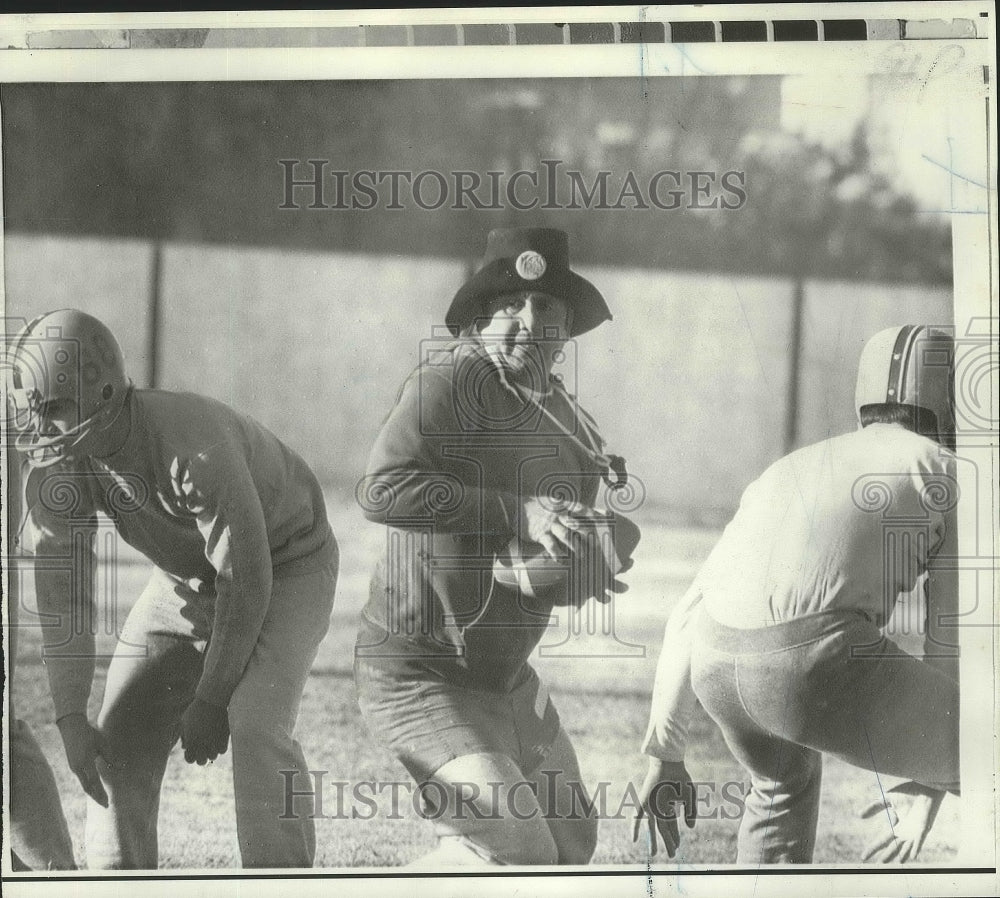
<point x="222" y="639"/>
<point x="780" y="634"/>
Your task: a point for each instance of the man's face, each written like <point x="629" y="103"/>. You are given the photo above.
<point x="56" y="417"/>
<point x="41" y="426"/>
<point x="525" y="331"/>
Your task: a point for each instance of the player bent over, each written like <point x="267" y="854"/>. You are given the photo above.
<point x="222" y="639"/>
<point x="780" y="634"/>
<point x="481" y="442"/>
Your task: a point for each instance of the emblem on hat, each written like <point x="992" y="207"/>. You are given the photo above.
<point x="527" y="254"/>
<point x="530" y="265"/>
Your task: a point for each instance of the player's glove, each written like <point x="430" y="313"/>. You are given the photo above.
<point x="83" y="744"/>
<point x="204" y="732"/>
<point x="906" y="834"/>
<point x="667" y="784"/>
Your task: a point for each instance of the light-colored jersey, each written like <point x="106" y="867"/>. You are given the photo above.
<point x="850" y="523"/>
<point x="207" y="495"/>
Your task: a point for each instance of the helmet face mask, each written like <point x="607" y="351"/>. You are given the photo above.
<point x="45" y="445"/>
<point x="910" y="366"/>
<point x="67" y="386"/>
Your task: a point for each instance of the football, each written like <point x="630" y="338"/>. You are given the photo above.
<point x="602" y="549"/>
<point x="527" y="567"/>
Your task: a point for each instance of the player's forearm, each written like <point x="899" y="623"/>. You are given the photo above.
<point x="70" y="670"/>
<point x="398" y="498"/>
<point x="673" y="702"/>
<point x="231" y="520"/>
<point x="671" y="710"/>
<point x="941" y="645"/>
<point x="66" y="608"/>
<point x="241" y="604"/>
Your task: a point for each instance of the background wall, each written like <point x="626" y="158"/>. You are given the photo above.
<point x="689" y="382"/>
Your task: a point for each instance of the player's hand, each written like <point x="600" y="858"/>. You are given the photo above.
<point x="667" y="785"/>
<point x="204" y="732"/>
<point x="906" y="834"/>
<point x="83" y="744"/>
<point x="551" y="524"/>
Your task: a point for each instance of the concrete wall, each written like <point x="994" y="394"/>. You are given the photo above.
<point x="689" y="381"/>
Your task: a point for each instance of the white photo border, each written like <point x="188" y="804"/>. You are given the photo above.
<point x="969" y="85"/>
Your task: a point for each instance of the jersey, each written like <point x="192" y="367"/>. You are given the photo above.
<point x="455" y="459"/>
<point x="850" y="523"/>
<point x="209" y="496"/>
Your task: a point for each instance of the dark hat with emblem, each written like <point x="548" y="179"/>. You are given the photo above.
<point x="519" y="259"/>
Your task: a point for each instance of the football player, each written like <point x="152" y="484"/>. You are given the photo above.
<point x="485" y="447"/>
<point x="780" y="635"/>
<point x="221" y="641"/>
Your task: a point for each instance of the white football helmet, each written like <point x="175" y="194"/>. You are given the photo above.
<point x="911" y="365"/>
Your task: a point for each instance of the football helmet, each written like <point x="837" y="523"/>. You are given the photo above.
<point x="911" y="365"/>
<point x="70" y="358"/>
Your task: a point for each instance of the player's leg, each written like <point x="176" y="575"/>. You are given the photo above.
<point x="782" y="807"/>
<point x="485" y="811"/>
<point x="268" y="762"/>
<point x="38" y="832"/>
<point x="860" y="697"/>
<point x="462" y="747"/>
<point x="900" y="697"/>
<point x="546" y="754"/>
<point x="150" y="682"/>
<point x="39" y="836"/>
<point x="566" y="803"/>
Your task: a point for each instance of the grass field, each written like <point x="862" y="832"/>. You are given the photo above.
<point x="600" y="684"/>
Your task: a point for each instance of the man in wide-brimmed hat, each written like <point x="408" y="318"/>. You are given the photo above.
<point x="487" y="475"/>
<point x="532" y="260"/>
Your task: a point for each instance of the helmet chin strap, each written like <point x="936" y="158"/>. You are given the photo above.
<point x="44" y="452"/>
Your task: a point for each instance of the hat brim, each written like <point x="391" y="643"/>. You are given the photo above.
<point x="499" y="277"/>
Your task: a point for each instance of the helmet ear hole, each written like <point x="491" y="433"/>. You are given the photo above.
<point x="107" y="392"/>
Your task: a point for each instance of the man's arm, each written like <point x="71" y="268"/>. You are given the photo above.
<point x="667" y="781"/>
<point x="941" y="593"/>
<point x="416" y="473"/>
<point x="219" y="489"/>
<point x="62" y="527"/>
<point x="673" y="701"/>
